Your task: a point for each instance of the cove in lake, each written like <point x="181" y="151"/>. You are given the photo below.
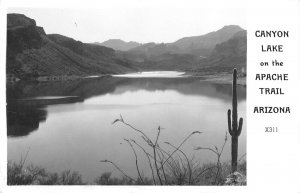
<point x="67" y="125"/>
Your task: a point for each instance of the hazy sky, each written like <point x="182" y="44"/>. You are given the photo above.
<point x="142" y="24"/>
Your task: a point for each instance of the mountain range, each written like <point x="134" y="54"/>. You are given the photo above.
<point x="118" y="44"/>
<point x="32" y="53"/>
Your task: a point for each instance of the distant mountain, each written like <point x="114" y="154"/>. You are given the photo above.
<point x="31" y="53"/>
<point x="199" y="46"/>
<point x="118" y="44"/>
<point x="219" y="57"/>
<point x="147" y="52"/>
<point x="204" y="44"/>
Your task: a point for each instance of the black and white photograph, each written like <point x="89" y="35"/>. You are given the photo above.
<point x="149" y="96"/>
<point x="122" y="96"/>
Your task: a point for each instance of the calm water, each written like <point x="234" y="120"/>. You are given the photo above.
<point x="67" y="125"/>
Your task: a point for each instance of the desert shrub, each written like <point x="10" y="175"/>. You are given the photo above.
<point x="172" y="166"/>
<point x="107" y="179"/>
<point x="18" y="174"/>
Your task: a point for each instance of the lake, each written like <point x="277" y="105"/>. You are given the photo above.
<point x="68" y="124"/>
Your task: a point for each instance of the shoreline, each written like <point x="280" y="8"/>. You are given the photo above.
<point x="220" y="78"/>
<point x="224" y="79"/>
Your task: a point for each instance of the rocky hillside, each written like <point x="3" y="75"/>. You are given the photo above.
<point x="192" y="53"/>
<point x="227" y="55"/>
<point x="200" y="46"/>
<point x="220" y="52"/>
<point x="204" y="44"/>
<point x="32" y="53"/>
<point x="234" y="47"/>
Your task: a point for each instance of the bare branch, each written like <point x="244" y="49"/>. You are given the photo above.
<point x="175" y="163"/>
<point x="107" y="161"/>
<point x="156" y="167"/>
<point x="136" y="161"/>
<point x="206" y="148"/>
<point x="162" y="168"/>
<point x="244" y="155"/>
<point x="225" y="140"/>
<point x="148" y="156"/>
<point x="24" y="160"/>
<point x="195" y="132"/>
<point x="187" y="160"/>
<point x="202" y="172"/>
<point x="154" y="153"/>
<point x="135" y="129"/>
<point x="157" y="136"/>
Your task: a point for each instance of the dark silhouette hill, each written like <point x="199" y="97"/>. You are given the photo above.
<point x="32" y="53"/>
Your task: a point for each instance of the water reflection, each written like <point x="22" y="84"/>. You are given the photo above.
<point x="22" y="119"/>
<point x="25" y="112"/>
<point x="25" y="115"/>
<point x="68" y="124"/>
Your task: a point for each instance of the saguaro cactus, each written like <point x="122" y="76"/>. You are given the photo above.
<point x="234" y="127"/>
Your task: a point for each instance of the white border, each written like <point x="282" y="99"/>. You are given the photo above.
<point x="273" y="161"/>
